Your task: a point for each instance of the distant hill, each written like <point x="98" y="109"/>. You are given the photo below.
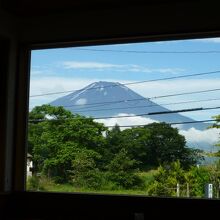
<point x="112" y="98"/>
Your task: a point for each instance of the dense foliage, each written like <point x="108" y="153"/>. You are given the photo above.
<point x="70" y="148"/>
<point x="192" y="180"/>
<point x="153" y="145"/>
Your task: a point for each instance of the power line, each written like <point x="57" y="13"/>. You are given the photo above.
<point x="185" y="93"/>
<point x="149" y="52"/>
<point x="160" y="113"/>
<point x="138" y="115"/>
<point x="173" y="123"/>
<point x="145" y="106"/>
<point x="131" y="83"/>
<point x="140" y="99"/>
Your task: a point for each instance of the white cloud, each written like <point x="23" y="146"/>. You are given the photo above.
<point x="138" y="120"/>
<point x="159" y="88"/>
<point x="51" y="84"/>
<point x="144" y="69"/>
<point x="207" y="137"/>
<point x="155" y="89"/>
<point x="88" y="65"/>
<point x="169" y="70"/>
<point x="57" y="84"/>
<point x="118" y="67"/>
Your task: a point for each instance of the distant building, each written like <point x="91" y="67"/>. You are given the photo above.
<point x="29" y="165"/>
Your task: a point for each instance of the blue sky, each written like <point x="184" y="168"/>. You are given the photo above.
<point x="56" y="70"/>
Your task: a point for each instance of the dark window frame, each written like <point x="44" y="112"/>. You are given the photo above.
<point x="24" y="83"/>
<point x="176" y="20"/>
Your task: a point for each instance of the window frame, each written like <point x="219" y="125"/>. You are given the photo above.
<point x="186" y="22"/>
<point x="23" y="91"/>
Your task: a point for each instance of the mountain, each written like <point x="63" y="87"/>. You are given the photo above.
<point x="102" y="99"/>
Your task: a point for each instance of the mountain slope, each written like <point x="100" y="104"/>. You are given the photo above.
<point x="102" y="99"/>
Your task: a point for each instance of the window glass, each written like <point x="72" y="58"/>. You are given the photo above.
<point x="138" y="118"/>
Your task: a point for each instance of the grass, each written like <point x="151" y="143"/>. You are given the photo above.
<point x="44" y="184"/>
<point x="148" y="176"/>
<point x="213" y="154"/>
<point x="71" y="189"/>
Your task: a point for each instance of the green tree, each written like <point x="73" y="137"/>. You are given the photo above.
<point x="114" y="143"/>
<point x="85" y="172"/>
<point x="166" y="180"/>
<point x="134" y="140"/>
<point x="216" y="125"/>
<point x="214" y="170"/>
<point x="214" y="173"/>
<point x="55" y="135"/>
<point x="122" y="171"/>
<point x="168" y="146"/>
<point x="156" y="144"/>
<point x="197" y="178"/>
<point x="217" y="118"/>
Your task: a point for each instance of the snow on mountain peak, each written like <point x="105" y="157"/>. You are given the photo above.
<point x="81" y="102"/>
<point x="80" y="92"/>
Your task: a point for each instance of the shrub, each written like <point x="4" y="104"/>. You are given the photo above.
<point x="165" y="181"/>
<point x="34" y="183"/>
<point x="122" y="172"/>
<point x="84" y="171"/>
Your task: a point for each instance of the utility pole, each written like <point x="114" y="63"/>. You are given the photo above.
<point x="178" y="190"/>
<point x="187" y="189"/>
<point x="209" y="191"/>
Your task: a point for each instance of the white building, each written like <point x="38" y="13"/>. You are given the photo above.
<point x="29" y="165"/>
